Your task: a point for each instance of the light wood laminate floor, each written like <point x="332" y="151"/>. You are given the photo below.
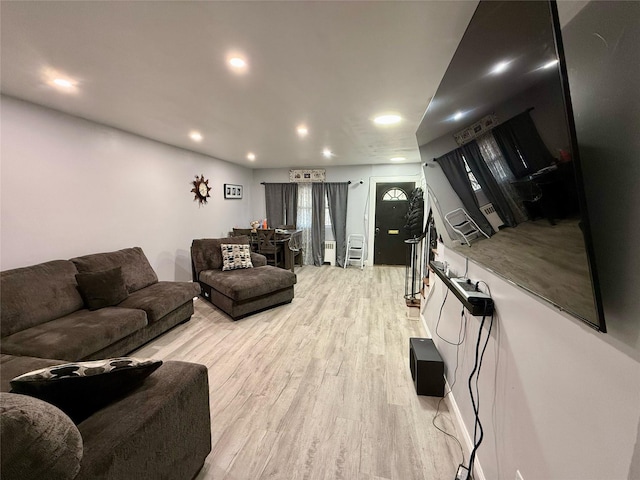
<point x="319" y="388"/>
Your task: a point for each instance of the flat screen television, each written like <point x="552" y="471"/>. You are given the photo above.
<point x="510" y="65"/>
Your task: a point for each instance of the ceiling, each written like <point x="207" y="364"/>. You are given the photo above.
<point x="159" y="70"/>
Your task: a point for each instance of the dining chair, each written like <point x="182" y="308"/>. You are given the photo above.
<point x="268" y="247"/>
<point x="253" y="237"/>
<point x="295" y="246"/>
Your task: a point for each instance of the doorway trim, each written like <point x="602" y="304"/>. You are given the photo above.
<point x="373" y="185"/>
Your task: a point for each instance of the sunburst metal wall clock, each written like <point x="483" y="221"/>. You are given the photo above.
<point x="201" y="189"/>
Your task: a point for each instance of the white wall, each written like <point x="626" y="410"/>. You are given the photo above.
<point x="557" y="399"/>
<point x="72" y="187"/>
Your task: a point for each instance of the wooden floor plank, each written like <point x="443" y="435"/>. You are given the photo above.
<point x="319" y="388"/>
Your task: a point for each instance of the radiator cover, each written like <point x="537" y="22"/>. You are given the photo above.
<point x="492" y="216"/>
<point x="330" y="252"/>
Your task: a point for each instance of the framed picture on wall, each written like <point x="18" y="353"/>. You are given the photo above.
<point x="232" y="191"/>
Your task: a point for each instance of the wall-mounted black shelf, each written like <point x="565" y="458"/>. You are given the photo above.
<point x="477" y="307"/>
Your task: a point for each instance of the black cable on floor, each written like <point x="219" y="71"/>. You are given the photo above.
<point x="461" y="336"/>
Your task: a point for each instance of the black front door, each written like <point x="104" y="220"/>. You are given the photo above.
<point x="392" y="203"/>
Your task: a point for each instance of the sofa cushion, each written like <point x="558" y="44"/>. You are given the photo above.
<point x="159" y="299"/>
<point x="37" y="294"/>
<point x="245" y="284"/>
<point x="77" y="335"/>
<point x="39" y="441"/>
<point x="136" y="270"/>
<point x="12" y="365"/>
<point x="235" y="256"/>
<point x="258" y="260"/>
<point x="82" y="388"/>
<point x="102" y="289"/>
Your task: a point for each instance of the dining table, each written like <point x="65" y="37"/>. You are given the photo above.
<point x="281" y="240"/>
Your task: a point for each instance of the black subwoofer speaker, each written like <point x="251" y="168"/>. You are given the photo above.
<point x="427" y="367"/>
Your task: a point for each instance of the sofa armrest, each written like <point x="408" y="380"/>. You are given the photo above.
<point x="13" y="365"/>
<point x="258" y="260"/>
<point x="160" y="430"/>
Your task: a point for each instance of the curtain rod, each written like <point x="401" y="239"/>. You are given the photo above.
<point x="349" y="182"/>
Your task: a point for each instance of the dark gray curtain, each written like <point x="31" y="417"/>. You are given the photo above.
<point x="290" y="196"/>
<point x="485" y="178"/>
<point x="521" y="145"/>
<point x="337" y="194"/>
<point x="452" y="165"/>
<point x="317" y="223"/>
<point x="281" y="203"/>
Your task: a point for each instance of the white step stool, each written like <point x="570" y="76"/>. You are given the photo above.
<point x="355" y="250"/>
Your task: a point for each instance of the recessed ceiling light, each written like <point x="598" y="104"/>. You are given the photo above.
<point x="387" y="119"/>
<point x="500" y="67"/>
<point x="302" y="131"/>
<point x="458" y="115"/>
<point x="59" y="80"/>
<point x="550" y="64"/>
<point x="251" y="156"/>
<point x="398" y="159"/>
<point x="237" y="62"/>
<point x="327" y="153"/>
<point x="195" y="136"/>
<point x="63" y="82"/>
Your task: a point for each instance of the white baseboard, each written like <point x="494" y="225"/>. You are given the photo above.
<point x="466" y="441"/>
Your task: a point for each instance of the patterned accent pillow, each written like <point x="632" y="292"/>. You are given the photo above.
<point x="235" y="256"/>
<point x="81" y="388"/>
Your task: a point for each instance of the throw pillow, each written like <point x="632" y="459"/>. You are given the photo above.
<point x="235" y="256"/>
<point x="38" y="440"/>
<point x="79" y="389"/>
<point x="101" y="289"/>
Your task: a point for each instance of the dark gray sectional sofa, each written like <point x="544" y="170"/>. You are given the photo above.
<point x="162" y="428"/>
<point x="239" y="292"/>
<point x="44" y="316"/>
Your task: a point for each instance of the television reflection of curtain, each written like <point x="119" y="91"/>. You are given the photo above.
<point x="337" y="194"/>
<point x="489" y="186"/>
<point x="502" y="174"/>
<point x="521" y="145"/>
<point x="304" y="220"/>
<point x="281" y="201"/>
<point x="452" y="165"/>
